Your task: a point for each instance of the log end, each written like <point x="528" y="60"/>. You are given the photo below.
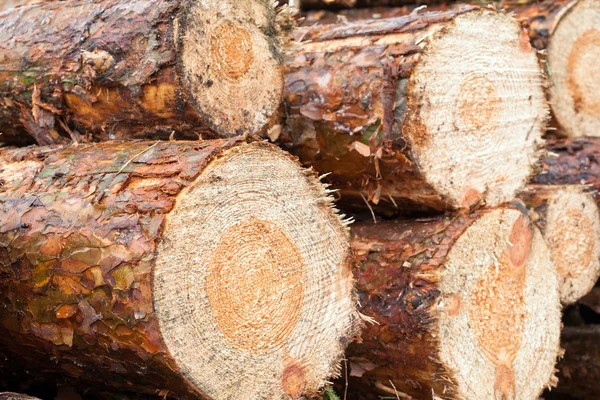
<point x="475" y="124"/>
<point x="573" y="56"/>
<point x="573" y="234"/>
<point x="230" y="63"/>
<point x="499" y="315"/>
<point x="254" y="275"/>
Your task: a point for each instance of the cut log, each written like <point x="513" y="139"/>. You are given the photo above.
<point x="569" y="31"/>
<point x="133" y="69"/>
<point x="431" y="111"/>
<point x="216" y="268"/>
<point x="466" y="306"/>
<point x="579" y="371"/>
<point x="569" y="220"/>
<point x="571" y="162"/>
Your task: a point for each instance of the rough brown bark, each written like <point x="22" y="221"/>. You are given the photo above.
<point x="400" y="274"/>
<point x="579" y="370"/>
<point x="78" y="301"/>
<point x="117" y="70"/>
<point x="81" y="233"/>
<point x="571" y="162"/>
<point x="352" y="110"/>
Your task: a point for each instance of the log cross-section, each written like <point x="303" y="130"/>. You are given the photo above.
<point x="215" y="269"/>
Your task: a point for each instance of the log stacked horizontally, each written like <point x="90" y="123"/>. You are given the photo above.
<point x="120" y="70"/>
<point x="467" y="307"/>
<point x="215" y="268"/>
<point x="377" y="104"/>
<point x="154" y="244"/>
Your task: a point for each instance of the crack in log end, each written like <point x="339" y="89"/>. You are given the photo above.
<point x="583" y="73"/>
<point x="573" y="55"/>
<point x="231" y="50"/>
<point x="483" y="116"/>
<point x="254" y="285"/>
<point x="509" y="320"/>
<point x="230" y="63"/>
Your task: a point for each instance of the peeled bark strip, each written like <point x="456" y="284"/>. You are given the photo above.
<point x="571" y="162"/>
<point x="430" y="111"/>
<point x="131" y="69"/>
<point x="579" y="371"/>
<point x="466" y="306"/>
<point x="569" y="220"/>
<point x="214" y="267"/>
<point x="570" y="32"/>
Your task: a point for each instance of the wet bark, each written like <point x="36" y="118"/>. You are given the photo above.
<point x="79" y="229"/>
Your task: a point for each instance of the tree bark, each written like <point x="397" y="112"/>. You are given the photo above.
<point x="360" y="104"/>
<point x="449" y="296"/>
<point x="137" y="69"/>
<point x="160" y="267"/>
<point x="569" y="220"/>
<point x="579" y="370"/>
<point x="571" y="162"/>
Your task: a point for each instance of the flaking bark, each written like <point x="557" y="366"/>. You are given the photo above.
<point x="79" y="228"/>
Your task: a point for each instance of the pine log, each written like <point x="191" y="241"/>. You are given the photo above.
<point x="466" y="306"/>
<point x="571" y="162"/>
<point x="569" y="31"/>
<point x="579" y="370"/>
<point x="215" y="269"/>
<point x="569" y="220"/>
<point x="135" y="69"/>
<point x="425" y="112"/>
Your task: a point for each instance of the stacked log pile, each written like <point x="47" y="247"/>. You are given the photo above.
<point x="153" y="242"/>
